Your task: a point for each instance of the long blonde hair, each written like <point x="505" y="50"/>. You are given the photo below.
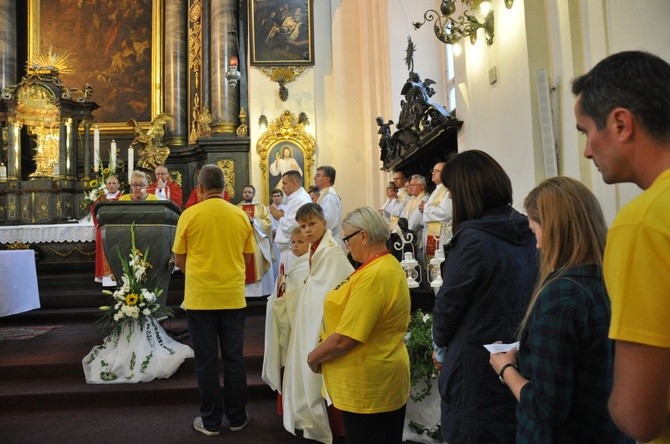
<point x="573" y="230"/>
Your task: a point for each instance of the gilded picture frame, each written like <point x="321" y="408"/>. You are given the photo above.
<point x="281" y="32"/>
<point x="116" y="50"/>
<point x="284" y="135"/>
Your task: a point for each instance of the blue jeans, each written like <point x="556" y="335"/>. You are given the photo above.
<point x="208" y="329"/>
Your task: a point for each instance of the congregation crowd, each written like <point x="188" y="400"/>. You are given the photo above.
<point x="582" y="307"/>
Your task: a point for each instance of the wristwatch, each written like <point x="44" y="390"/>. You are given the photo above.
<point x="502" y="371"/>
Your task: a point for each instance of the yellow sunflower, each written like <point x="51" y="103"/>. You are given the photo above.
<point x="93" y="183"/>
<point x="105" y="171"/>
<point x="132" y="298"/>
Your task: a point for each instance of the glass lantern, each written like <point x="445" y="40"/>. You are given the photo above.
<point x="410" y="265"/>
<point x="435" y="269"/>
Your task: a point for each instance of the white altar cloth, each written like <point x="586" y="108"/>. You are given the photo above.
<point x="18" y="282"/>
<point x="33" y="234"/>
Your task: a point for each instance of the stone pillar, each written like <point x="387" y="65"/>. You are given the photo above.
<point x="87" y="150"/>
<point x="13" y="150"/>
<point x="72" y="148"/>
<point x="223" y="45"/>
<point x="8" y="43"/>
<point x="176" y="71"/>
<point x="62" y="150"/>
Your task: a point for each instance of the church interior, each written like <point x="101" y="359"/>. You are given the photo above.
<point x="132" y="84"/>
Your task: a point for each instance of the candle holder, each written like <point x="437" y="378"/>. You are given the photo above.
<point x="435" y="269"/>
<point x="410" y="265"/>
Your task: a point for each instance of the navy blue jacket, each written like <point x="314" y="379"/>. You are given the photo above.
<point x="489" y="275"/>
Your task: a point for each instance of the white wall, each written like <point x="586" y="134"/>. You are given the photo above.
<point x="360" y="49"/>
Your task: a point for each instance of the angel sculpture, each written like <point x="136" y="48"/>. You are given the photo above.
<point x="151" y="152"/>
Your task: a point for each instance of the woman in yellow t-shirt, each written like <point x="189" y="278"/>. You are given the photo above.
<point x="138" y="188"/>
<point x="362" y="355"/>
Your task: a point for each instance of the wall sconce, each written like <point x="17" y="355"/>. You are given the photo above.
<point x="233" y="74"/>
<point x="450" y="31"/>
<point x="263" y="122"/>
<point x="302" y="118"/>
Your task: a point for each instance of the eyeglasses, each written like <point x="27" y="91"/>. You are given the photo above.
<point x="346" y="238"/>
<point x="137" y="185"/>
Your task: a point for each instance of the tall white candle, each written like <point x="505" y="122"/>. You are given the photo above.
<point x="131" y="158"/>
<point x="112" y="156"/>
<point x="96" y="149"/>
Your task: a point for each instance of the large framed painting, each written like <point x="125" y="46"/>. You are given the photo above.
<point x="281" y="32"/>
<point x="113" y="46"/>
<point x="283" y="147"/>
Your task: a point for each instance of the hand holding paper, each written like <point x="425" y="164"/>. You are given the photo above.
<point x="501" y="348"/>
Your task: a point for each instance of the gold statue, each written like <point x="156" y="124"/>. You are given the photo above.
<point x="151" y="151"/>
<point x="46" y="152"/>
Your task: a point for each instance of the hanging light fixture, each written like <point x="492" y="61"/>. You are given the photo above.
<point x="451" y="30"/>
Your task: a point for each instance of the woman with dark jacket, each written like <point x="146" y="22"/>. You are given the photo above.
<point x="489" y="275"/>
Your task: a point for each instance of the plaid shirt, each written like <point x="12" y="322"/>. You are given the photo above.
<point x="567" y="357"/>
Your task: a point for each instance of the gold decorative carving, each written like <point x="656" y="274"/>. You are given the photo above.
<point x="152" y="152"/>
<point x="228" y="167"/>
<point x="283" y="75"/>
<point x="243" y="129"/>
<point x="285" y="128"/>
<point x="46" y="151"/>
<point x="18" y="246"/>
<point x="71" y="251"/>
<point x="195" y="40"/>
<point x="176" y="177"/>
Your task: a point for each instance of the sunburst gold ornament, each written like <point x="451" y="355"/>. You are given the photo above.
<point x="60" y="62"/>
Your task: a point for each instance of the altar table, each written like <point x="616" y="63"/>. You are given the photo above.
<point x="18" y="282"/>
<point x="35" y="234"/>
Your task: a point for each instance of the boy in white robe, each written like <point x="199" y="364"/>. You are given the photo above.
<point x="303" y="405"/>
<point x="280" y="310"/>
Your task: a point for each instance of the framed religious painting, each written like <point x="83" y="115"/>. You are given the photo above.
<point x="281" y="32"/>
<point x="285" y="146"/>
<point x="115" y="47"/>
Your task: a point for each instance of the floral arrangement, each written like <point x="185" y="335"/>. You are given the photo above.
<point x="98" y="185"/>
<point x="420" y="348"/>
<point x="419" y="342"/>
<point x="132" y="301"/>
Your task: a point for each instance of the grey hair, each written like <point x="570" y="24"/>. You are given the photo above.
<point x="420" y="179"/>
<point x="370" y="221"/>
<point x="140" y="174"/>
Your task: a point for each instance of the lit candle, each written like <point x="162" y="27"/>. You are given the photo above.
<point x="233" y="61"/>
<point x="112" y="156"/>
<point x="131" y="158"/>
<point x="96" y="149"/>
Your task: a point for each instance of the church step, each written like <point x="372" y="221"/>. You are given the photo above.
<point x="45" y="372"/>
<point x="72" y="392"/>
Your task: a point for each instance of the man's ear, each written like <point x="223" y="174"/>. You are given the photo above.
<point x="623" y="122"/>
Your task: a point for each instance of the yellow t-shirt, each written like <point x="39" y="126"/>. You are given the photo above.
<point x="373" y="307"/>
<point x="637" y="271"/>
<point x="149" y="197"/>
<point x="214" y="235"/>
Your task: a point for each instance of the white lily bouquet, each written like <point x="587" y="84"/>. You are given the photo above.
<point x="133" y="303"/>
<point x="137" y="348"/>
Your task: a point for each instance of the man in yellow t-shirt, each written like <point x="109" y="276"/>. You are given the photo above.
<point x="212" y="242"/>
<point x="623" y="108"/>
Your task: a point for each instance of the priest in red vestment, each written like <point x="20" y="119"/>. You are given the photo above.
<point x="164" y="188"/>
<point x="102" y="271"/>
